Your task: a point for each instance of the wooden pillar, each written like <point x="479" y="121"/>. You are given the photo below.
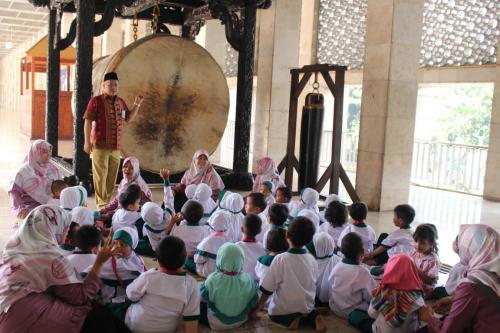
<point x="83" y="83"/>
<point x="244" y="96"/>
<point x="53" y="74"/>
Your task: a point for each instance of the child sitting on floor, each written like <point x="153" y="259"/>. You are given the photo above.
<point x="206" y="252"/>
<point x="277" y="215"/>
<point x="189" y="230"/>
<point x="308" y="201"/>
<point x="252" y="249"/>
<point x="255" y="203"/>
<point x="128" y="214"/>
<point x="122" y="268"/>
<point x="229" y="293"/>
<point x="351" y="282"/>
<point x="324" y="247"/>
<point x="266" y="188"/>
<point x="398" y="241"/>
<point x="162" y="297"/>
<point x="284" y="196"/>
<point x="88" y="242"/>
<point x="75" y="196"/>
<point x="203" y="195"/>
<point x="275" y="243"/>
<point x="336" y="218"/>
<point x="291" y="281"/>
<point x="56" y="188"/>
<point x="190" y="191"/>
<point x="233" y="206"/>
<point x="425" y="256"/>
<point x="358" y="212"/>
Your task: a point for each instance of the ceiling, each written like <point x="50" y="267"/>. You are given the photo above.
<point x="19" y="22"/>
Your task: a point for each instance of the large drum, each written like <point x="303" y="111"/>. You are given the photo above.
<point x="186" y="99"/>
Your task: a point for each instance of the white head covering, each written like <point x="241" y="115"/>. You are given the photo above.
<point x="220" y="221"/>
<point x="31" y="260"/>
<point x="309" y="199"/>
<point x="72" y="197"/>
<point x="133" y="235"/>
<point x="152" y="214"/>
<point x="324" y="246"/>
<point x="82" y="216"/>
<point x="234" y="203"/>
<point x="191" y="190"/>
<point x="203" y="195"/>
<point x="311" y="216"/>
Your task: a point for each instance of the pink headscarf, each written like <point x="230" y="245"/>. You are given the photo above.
<point x="478" y="248"/>
<point x="31" y="260"/>
<point x="37" y="177"/>
<point x="136" y="178"/>
<point x="206" y="174"/>
<point x="269" y="173"/>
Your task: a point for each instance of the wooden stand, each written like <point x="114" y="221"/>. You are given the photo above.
<point x="335" y="171"/>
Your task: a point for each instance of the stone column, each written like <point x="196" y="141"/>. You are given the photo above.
<point x="112" y="38"/>
<point x="492" y="177"/>
<point x="388" y="106"/>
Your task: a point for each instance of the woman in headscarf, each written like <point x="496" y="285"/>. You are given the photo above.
<point x="131" y="175"/>
<point x="229" y="294"/>
<point x="39" y="288"/>
<point x="200" y="171"/>
<point x="267" y="171"/>
<point x="31" y="186"/>
<point x="476" y="302"/>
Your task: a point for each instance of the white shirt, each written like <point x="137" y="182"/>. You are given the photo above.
<point x="292" y="279"/>
<point x="233" y="232"/>
<point x="206" y="254"/>
<point x="366" y="233"/>
<point x="81" y="261"/>
<point x="262" y="266"/>
<point x="54" y="202"/>
<point x="162" y="299"/>
<point x="325" y="268"/>
<point x="334" y="232"/>
<point x="270" y="200"/>
<point x="253" y="251"/>
<point x="192" y="235"/>
<point x="399" y="241"/>
<point x="411" y="324"/>
<point x="264" y="228"/>
<point x="351" y="288"/>
<point x="124" y="218"/>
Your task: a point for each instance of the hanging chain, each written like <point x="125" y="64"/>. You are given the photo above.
<point x="156" y="14"/>
<point x="316" y="83"/>
<point x="135" y="24"/>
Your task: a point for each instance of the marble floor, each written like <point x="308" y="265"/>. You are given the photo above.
<point x="447" y="210"/>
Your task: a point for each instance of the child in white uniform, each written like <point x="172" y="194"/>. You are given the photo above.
<point x="255" y="203"/>
<point x="190" y="191"/>
<point x="228" y="294"/>
<point x="284" y="196"/>
<point x="277" y="215"/>
<point x="56" y="188"/>
<point x="266" y="188"/>
<point x="308" y="201"/>
<point x="189" y="230"/>
<point x="74" y="196"/>
<point x="358" y="212"/>
<point x="206" y="252"/>
<point x="398" y="241"/>
<point x="396" y="302"/>
<point x="323" y="248"/>
<point x="336" y="221"/>
<point x="88" y="242"/>
<point x="291" y="281"/>
<point x="233" y="206"/>
<point x="252" y="249"/>
<point x="203" y="195"/>
<point x="351" y="282"/>
<point x="128" y="214"/>
<point x="275" y="244"/>
<point x="162" y="297"/>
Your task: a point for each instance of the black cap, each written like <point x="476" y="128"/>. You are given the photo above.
<point x="110" y="76"/>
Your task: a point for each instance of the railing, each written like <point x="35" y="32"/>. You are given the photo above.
<point x="348" y="153"/>
<point x="449" y="166"/>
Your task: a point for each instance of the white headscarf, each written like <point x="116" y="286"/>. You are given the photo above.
<point x="311" y="216"/>
<point x="82" y="216"/>
<point x="191" y="190"/>
<point x="220" y="221"/>
<point x="152" y="214"/>
<point x="31" y="260"/>
<point x="324" y="246"/>
<point x="72" y="197"/>
<point x="234" y="204"/>
<point x="203" y="195"/>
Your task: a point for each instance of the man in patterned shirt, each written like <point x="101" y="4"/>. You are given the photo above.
<point x="104" y="119"/>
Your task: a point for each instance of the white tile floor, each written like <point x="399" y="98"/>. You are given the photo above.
<point x="447" y="210"/>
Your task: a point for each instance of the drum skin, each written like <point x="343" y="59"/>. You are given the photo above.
<point x="186" y="99"/>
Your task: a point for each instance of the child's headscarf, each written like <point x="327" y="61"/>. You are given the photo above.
<point x="31" y="261"/>
<point x="191" y="190"/>
<point x="128" y="235"/>
<point x="398" y="291"/>
<point x="234" y="203"/>
<point x="152" y="214"/>
<point x="478" y="248"/>
<point x="230" y="292"/>
<point x="220" y="221"/>
<point x="269" y="173"/>
<point x="72" y="197"/>
<point x="311" y="216"/>
<point x="135" y="179"/>
<point x="203" y="195"/>
<point x="206" y="174"/>
<point x="82" y="216"/>
<point x="324" y="245"/>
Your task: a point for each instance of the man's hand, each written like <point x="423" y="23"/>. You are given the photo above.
<point x="88" y="147"/>
<point x="138" y="100"/>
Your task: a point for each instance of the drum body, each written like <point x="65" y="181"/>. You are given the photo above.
<point x="186" y="99"/>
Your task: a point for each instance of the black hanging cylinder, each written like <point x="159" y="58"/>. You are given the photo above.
<point x="310" y="139"/>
